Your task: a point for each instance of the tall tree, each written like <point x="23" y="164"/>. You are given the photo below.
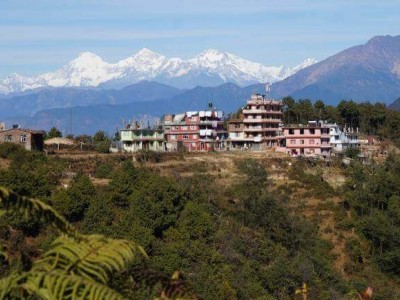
<point x="289" y="110"/>
<point x="320" y="110"/>
<point x="53" y="133"/>
<point x="349" y="112"/>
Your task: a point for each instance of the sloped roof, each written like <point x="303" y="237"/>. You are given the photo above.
<point x="61" y="141"/>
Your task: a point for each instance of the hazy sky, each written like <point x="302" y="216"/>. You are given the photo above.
<point x="43" y="35"/>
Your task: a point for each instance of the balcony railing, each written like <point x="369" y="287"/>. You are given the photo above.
<point x="262" y="111"/>
<point x="261" y="120"/>
<point x="260" y="129"/>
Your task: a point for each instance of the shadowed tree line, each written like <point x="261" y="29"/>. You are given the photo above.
<point x="374" y="119"/>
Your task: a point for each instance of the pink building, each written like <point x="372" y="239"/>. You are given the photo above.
<point x="308" y="140"/>
<point x="195" y="131"/>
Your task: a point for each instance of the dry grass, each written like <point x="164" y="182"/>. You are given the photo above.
<point x="4" y="163"/>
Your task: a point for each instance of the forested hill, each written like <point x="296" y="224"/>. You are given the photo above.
<point x="235" y="225"/>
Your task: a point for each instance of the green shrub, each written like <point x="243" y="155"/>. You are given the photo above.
<point x="103" y="170"/>
<point x="103" y="146"/>
<point x="7" y="149"/>
<point x="352" y="152"/>
<point x="354" y="250"/>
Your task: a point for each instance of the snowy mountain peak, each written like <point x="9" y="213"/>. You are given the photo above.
<point x="147" y="52"/>
<point x="146" y="55"/>
<point x="210" y="67"/>
<point x="87" y="57"/>
<point x="212" y="55"/>
<point x="88" y="54"/>
<point x="306" y="63"/>
<point x="87" y="60"/>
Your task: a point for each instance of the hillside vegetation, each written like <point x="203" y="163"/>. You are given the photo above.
<point x="235" y="225"/>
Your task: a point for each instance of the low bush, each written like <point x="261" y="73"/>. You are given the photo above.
<point x="103" y="146"/>
<point x="103" y="170"/>
<point x="7" y="149"/>
<point x="143" y="156"/>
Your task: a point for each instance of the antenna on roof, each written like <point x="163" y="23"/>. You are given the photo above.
<point x="267" y="89"/>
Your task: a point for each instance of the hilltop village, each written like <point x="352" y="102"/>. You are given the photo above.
<point x="258" y="127"/>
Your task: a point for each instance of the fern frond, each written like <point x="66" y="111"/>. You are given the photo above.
<point x="58" y="285"/>
<point x="35" y="208"/>
<point x="75" y="267"/>
<point x="92" y="257"/>
<point x="8" y="284"/>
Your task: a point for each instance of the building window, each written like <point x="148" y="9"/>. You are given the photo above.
<point x="185" y="137"/>
<point x="173" y="136"/>
<point x="292" y="142"/>
<point x="195" y="136"/>
<point x="302" y="131"/>
<point x="291" y="131"/>
<point x="311" y="142"/>
<point x="312" y="131"/>
<point x="301" y="142"/>
<point x="22" y="138"/>
<point x="8" y="138"/>
<point x="184" y="128"/>
<point x="193" y="127"/>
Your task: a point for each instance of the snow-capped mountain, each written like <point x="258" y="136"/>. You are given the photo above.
<point x="209" y="68"/>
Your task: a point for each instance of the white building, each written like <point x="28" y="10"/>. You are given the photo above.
<point x="340" y="140"/>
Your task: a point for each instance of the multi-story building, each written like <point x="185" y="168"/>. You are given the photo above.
<point x="309" y="140"/>
<point x="342" y="140"/>
<point x="315" y="139"/>
<point x="135" y="138"/>
<point x="195" y="131"/>
<point x="258" y="128"/>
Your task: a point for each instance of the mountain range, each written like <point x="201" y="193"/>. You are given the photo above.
<point x="209" y="68"/>
<point x="369" y="72"/>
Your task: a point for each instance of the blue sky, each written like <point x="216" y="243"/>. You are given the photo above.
<point x="42" y="35"/>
